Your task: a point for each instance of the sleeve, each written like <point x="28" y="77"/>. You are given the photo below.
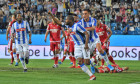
<point x="10" y="24"/>
<point x="94" y="22"/>
<point x="80" y="28"/>
<point x="107" y="28"/>
<point x="48" y="27"/>
<point x="28" y="27"/>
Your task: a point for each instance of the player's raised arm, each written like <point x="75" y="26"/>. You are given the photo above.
<point x="55" y="19"/>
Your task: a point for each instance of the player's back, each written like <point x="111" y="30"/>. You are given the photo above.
<point x="55" y="31"/>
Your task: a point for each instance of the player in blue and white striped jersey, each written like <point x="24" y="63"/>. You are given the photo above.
<point x="89" y="24"/>
<point x="21" y="28"/>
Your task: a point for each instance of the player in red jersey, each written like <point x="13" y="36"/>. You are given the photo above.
<point x="117" y="69"/>
<point x="11" y="46"/>
<point x="104" y="34"/>
<point x="55" y="32"/>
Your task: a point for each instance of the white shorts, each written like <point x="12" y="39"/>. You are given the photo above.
<point x="93" y="45"/>
<point x="22" y="47"/>
<point x="80" y="52"/>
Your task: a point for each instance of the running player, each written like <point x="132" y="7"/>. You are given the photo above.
<point x="80" y="38"/>
<point x="89" y="24"/>
<point x="10" y="43"/>
<point x="104" y="33"/>
<point x="20" y="27"/>
<point x="55" y="32"/>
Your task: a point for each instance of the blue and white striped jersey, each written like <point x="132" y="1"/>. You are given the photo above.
<point x="77" y="34"/>
<point x="92" y="22"/>
<point x="21" y="30"/>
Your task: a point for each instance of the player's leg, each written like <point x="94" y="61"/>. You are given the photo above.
<point x="14" y="54"/>
<point x="104" y="55"/>
<point x="56" y="48"/>
<point x="10" y="50"/>
<point x="26" y="53"/>
<point x="21" y="56"/>
<point x="65" y="53"/>
<point x="79" y="55"/>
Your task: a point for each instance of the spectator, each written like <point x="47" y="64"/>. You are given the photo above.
<point x="135" y="10"/>
<point x="118" y="20"/>
<point x="12" y="10"/>
<point x="136" y="20"/>
<point x="107" y="18"/>
<point x="60" y="8"/>
<point x="124" y="20"/>
<point x="54" y="9"/>
<point x="43" y="24"/>
<point x="122" y="10"/>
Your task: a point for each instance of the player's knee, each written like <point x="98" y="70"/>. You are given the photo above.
<point x="57" y="52"/>
<point x="87" y="62"/>
<point x="80" y="62"/>
<point x="14" y="50"/>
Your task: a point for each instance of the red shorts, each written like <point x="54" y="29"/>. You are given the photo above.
<point x="105" y="46"/>
<point x="54" y="46"/>
<point x="71" y="48"/>
<point x="66" y="48"/>
<point x="10" y="44"/>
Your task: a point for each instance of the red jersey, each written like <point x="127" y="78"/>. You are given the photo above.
<point x="67" y="36"/>
<point x="10" y="25"/>
<point x="55" y="31"/>
<point x="102" y="32"/>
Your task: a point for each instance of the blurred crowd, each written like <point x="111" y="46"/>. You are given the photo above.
<point x="116" y="14"/>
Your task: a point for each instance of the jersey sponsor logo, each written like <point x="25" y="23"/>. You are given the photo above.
<point x="20" y="29"/>
<point x="54" y="30"/>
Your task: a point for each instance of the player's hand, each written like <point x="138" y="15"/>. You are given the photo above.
<point x="45" y="40"/>
<point x="30" y="41"/>
<point x="86" y="47"/>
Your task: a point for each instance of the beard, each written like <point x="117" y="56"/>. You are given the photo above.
<point x="19" y="20"/>
<point x="68" y="23"/>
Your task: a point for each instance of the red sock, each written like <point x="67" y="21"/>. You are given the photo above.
<point x="74" y="61"/>
<point x="55" y="60"/>
<point x="70" y="57"/>
<point x="102" y="61"/>
<point x="18" y="56"/>
<point x="64" y="57"/>
<point x="111" y="59"/>
<point x="12" y="58"/>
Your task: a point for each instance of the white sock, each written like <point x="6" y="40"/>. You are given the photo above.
<point x="85" y="69"/>
<point x="91" y="62"/>
<point x="23" y="63"/>
<point x="15" y="57"/>
<point x="104" y="56"/>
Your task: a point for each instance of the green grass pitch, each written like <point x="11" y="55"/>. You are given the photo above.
<point x="41" y="72"/>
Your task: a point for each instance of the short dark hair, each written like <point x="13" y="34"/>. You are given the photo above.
<point x="88" y="10"/>
<point x="70" y="17"/>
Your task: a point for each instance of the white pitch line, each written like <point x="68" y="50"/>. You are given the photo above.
<point x="135" y="83"/>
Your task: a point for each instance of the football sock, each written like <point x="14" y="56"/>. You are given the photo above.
<point x="85" y="69"/>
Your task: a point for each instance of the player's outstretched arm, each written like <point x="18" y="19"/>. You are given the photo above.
<point x="55" y="19"/>
<point x="64" y="35"/>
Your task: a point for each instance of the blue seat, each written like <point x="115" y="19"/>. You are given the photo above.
<point x="114" y="32"/>
<point x="119" y="32"/>
<point x="137" y="29"/>
<point x="131" y="32"/>
<point x="113" y="24"/>
<point x="137" y="32"/>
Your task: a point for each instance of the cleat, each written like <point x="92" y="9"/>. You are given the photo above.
<point x="59" y="62"/>
<point x="55" y="66"/>
<point x="11" y="64"/>
<point x="110" y="67"/>
<point x="71" y="63"/>
<point x="16" y="64"/>
<point x="25" y="70"/>
<point x="92" y="77"/>
<point x="73" y="67"/>
<point x="92" y="70"/>
<point x="27" y="60"/>
<point x="78" y="67"/>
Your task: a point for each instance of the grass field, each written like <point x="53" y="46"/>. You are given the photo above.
<point x="41" y="72"/>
